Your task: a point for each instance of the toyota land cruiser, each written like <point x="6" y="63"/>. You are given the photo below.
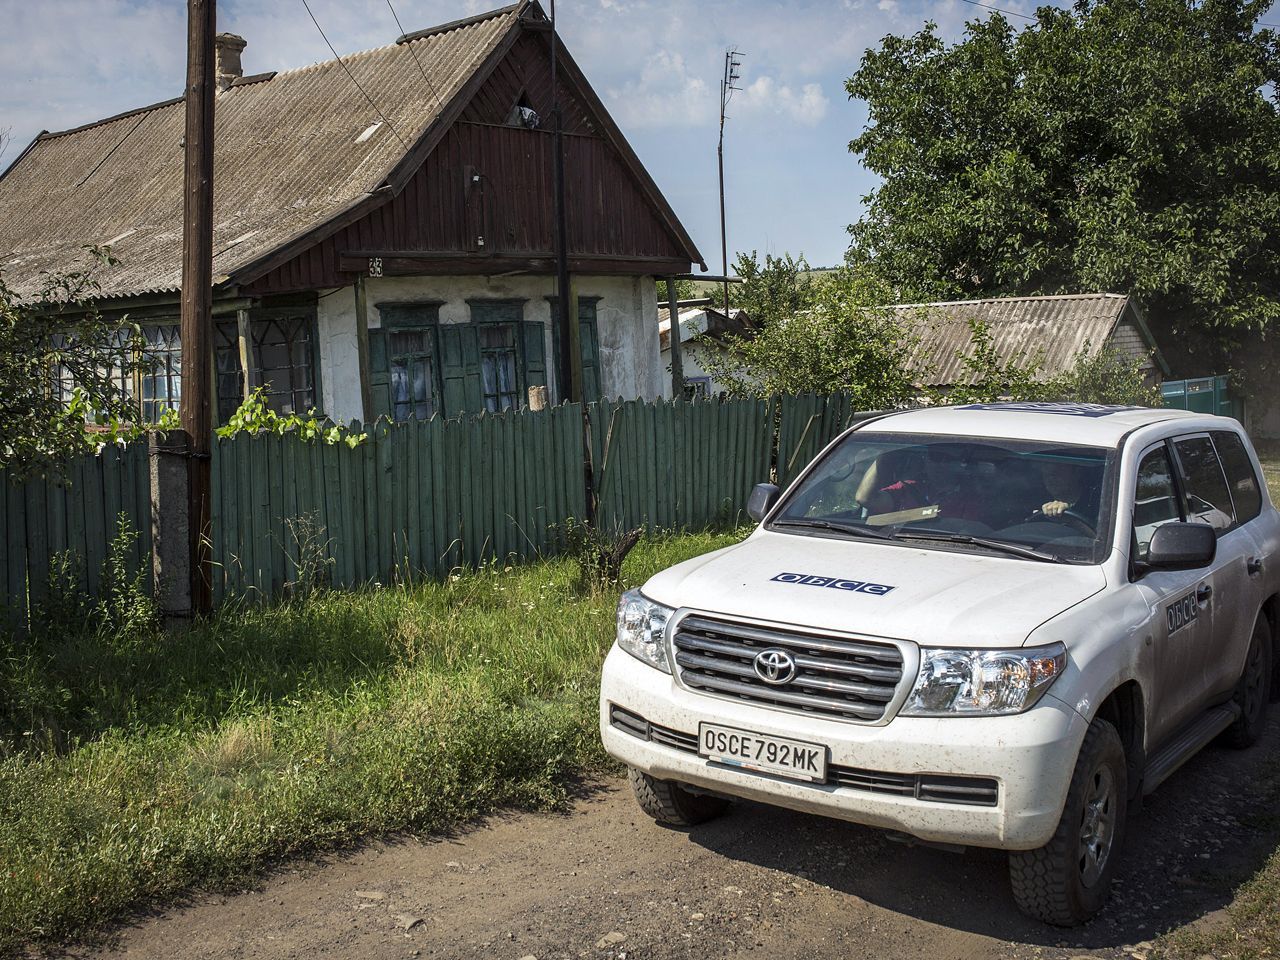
<point x="997" y="625"/>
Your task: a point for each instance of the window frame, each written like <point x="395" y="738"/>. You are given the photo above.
<point x="1253" y="473"/>
<point x="402" y="316"/>
<point x="307" y="314"/>
<point x="1179" y="494"/>
<point x="1185" y="484"/>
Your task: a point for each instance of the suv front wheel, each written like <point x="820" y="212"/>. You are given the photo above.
<point x="1067" y="881"/>
<point x="670" y="803"/>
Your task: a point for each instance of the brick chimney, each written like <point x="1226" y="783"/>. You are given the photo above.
<point x="227" y="48"/>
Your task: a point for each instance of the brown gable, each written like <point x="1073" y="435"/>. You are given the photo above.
<point x="482" y="200"/>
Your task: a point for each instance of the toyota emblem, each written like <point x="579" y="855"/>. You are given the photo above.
<point x="775" y="666"/>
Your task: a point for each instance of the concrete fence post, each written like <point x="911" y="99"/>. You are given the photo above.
<point x="170" y="507"/>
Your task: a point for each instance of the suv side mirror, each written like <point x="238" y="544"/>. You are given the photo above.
<point x="1182" y="546"/>
<point x="763" y="497"/>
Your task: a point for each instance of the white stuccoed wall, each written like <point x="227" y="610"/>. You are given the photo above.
<point x="626" y="321"/>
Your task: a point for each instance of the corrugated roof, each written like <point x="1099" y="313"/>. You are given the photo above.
<point x="288" y="156"/>
<point x="1055" y="327"/>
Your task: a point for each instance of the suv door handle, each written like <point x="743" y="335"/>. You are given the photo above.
<point x="1253" y="566"/>
<point x="1203" y="593"/>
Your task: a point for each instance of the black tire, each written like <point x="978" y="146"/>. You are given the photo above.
<point x="669" y="803"/>
<point x="1253" y="690"/>
<point x="1068" y="880"/>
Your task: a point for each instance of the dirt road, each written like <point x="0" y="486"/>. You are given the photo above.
<point x="602" y="881"/>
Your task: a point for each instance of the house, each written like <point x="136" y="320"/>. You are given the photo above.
<point x="703" y="333"/>
<point x="383" y="228"/>
<point x="1054" y="329"/>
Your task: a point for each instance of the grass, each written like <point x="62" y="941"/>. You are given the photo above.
<point x="1251" y="927"/>
<point x="134" y="767"/>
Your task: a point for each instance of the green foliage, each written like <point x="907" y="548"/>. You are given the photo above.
<point x="779" y="287"/>
<point x="840" y="340"/>
<point x="60" y="331"/>
<point x="685" y="290"/>
<point x="1120" y="145"/>
<point x="271" y="731"/>
<point x="254" y="416"/>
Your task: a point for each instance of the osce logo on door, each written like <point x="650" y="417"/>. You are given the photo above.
<point x="835" y="583"/>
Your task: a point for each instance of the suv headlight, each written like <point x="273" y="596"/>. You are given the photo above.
<point x="642" y="627"/>
<point x="982" y="683"/>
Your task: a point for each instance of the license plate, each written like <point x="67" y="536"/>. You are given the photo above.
<point x="794" y="759"/>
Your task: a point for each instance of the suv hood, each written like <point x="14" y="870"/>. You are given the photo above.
<point x="934" y="597"/>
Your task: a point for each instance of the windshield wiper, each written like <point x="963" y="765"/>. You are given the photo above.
<point x="851" y="528"/>
<point x="1011" y="548"/>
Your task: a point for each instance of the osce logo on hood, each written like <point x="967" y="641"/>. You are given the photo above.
<point x="835" y="583"/>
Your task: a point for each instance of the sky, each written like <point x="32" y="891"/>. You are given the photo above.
<point x="791" y="184"/>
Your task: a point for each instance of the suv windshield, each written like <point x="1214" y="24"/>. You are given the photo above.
<point x="1030" y="498"/>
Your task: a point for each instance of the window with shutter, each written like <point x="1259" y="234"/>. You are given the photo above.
<point x="404" y="361"/>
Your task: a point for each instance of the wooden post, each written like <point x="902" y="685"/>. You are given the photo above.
<point x="677" y="355"/>
<point x="197" y="292"/>
<point x="243" y="337"/>
<point x="362" y="351"/>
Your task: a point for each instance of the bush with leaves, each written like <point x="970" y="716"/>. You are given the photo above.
<point x="254" y="416"/>
<point x="779" y="287"/>
<point x="59" y="335"/>
<point x="842" y="340"/>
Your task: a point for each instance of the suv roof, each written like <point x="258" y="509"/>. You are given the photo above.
<point x="1085" y="423"/>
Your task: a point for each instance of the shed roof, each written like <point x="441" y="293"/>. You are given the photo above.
<point x="294" y="151"/>
<point x="1057" y="328"/>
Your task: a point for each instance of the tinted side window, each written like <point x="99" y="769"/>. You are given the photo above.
<point x="1240" y="476"/>
<point x="1155" y="499"/>
<point x="1208" y="500"/>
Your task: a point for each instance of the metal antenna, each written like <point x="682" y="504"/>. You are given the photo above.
<point x="728" y="84"/>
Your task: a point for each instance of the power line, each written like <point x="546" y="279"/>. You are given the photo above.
<point x="1007" y="13"/>
<point x="415" y="55"/>
<point x="353" y="77"/>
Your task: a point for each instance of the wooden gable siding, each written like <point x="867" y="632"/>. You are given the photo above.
<point x="443" y="213"/>
<point x="526" y="70"/>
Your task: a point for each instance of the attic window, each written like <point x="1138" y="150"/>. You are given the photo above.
<point x="523" y="115"/>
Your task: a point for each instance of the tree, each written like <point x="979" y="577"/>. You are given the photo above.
<point x="1122" y="145"/>
<point x="842" y="339"/>
<point x="61" y="364"/>
<point x="779" y="287"/>
<point x="685" y="290"/>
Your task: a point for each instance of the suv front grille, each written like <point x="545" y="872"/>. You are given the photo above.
<point x="849" y="679"/>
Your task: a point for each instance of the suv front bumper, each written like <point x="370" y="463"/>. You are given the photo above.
<point x="1030" y="758"/>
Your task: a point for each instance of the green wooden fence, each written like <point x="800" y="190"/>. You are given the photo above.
<point x="421" y="498"/>
<point x="417" y="498"/>
<point x="75" y="516"/>
<point x="677" y="464"/>
<point x="807" y="423"/>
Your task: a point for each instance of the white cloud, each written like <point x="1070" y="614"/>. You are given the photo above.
<point x="806" y="105"/>
<point x="666" y="92"/>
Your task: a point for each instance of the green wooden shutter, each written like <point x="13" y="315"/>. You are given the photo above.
<point x="590" y="350"/>
<point x="379" y="373"/>
<point x="460" y="369"/>
<point x="535" y="354"/>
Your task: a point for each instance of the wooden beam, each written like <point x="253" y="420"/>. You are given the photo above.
<point x="244" y="341"/>
<point x="362" y="350"/>
<point x="673" y="338"/>
<point x="445" y="263"/>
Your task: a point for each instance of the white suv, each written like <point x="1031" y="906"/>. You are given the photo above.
<point x="997" y="625"/>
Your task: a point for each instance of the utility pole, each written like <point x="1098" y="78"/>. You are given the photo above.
<point x="570" y="333"/>
<point x="728" y="84"/>
<point x="195" y="406"/>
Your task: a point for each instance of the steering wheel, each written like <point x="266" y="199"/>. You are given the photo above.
<point x="1069" y="517"/>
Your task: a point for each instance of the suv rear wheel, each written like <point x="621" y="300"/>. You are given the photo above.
<point x="1254" y="689"/>
<point x="1068" y="880"/>
<point x="668" y="802"/>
